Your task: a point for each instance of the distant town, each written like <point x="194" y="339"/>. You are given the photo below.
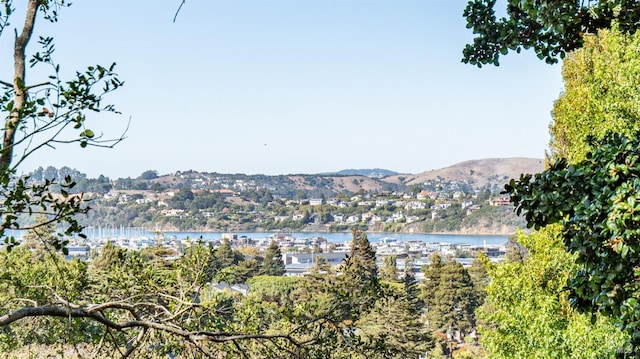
<point x="280" y="205"/>
<point x="198" y="201"/>
<point x="302" y="254"/>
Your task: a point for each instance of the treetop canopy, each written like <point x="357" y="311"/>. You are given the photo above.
<point x="551" y="27"/>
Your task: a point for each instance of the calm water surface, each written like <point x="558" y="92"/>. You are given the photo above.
<point x="343" y="237"/>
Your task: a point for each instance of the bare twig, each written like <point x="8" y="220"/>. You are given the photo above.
<point x="38" y="85"/>
<point x="177" y="11"/>
<point x="134" y="344"/>
<point x="244" y="355"/>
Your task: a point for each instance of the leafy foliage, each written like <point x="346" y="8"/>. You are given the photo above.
<point x="44" y="114"/>
<point x="596" y="203"/>
<point x="551" y="27"/>
<point x="527" y="313"/>
<point x="600" y="93"/>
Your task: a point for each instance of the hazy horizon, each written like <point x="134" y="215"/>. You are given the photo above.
<point x="160" y="173"/>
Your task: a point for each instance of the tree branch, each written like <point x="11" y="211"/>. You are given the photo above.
<point x="37" y="85"/>
<point x="178" y="11"/>
<point x="20" y="93"/>
<point x="92" y="313"/>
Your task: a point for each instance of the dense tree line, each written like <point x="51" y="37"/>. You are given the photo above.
<point x="154" y="302"/>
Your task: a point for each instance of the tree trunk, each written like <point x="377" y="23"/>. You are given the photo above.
<point x="19" y="86"/>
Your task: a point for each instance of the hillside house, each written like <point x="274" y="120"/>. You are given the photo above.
<point x="497" y="202"/>
<point x="224" y="192"/>
<point x="315" y="201"/>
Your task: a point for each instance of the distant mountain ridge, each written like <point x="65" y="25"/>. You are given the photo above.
<point x="490" y="173"/>
<point x="482" y="172"/>
<point x="366" y="172"/>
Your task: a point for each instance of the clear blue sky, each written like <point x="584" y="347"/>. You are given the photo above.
<point x="298" y="86"/>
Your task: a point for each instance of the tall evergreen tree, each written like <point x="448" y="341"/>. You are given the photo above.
<point x="389" y="270"/>
<point x="272" y="264"/>
<point x="358" y="283"/>
<point x="362" y="257"/>
<point x="222" y="264"/>
<point x="455" y="300"/>
<point x="479" y="277"/>
<point x="449" y="296"/>
<point x="393" y="330"/>
<point x="411" y="287"/>
<point x="225" y="256"/>
<point x="431" y="281"/>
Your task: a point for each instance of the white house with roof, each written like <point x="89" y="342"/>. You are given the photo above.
<point x="303" y="263"/>
<point x="315" y="201"/>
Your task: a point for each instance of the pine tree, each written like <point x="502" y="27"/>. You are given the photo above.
<point x="411" y="287"/>
<point x="224" y="256"/>
<point x="453" y="303"/>
<point x="273" y="264"/>
<point x="362" y="257"/>
<point x="321" y="266"/>
<point x="479" y="277"/>
<point x="431" y="281"/>
<point x="389" y="270"/>
<point x="358" y="284"/>
<point x="392" y="330"/>
<point x="222" y="264"/>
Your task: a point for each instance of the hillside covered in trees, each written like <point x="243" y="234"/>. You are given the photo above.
<point x="466" y="199"/>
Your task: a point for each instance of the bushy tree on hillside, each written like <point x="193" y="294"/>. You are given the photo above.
<point x="148" y="175"/>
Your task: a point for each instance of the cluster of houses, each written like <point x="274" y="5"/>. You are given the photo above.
<point x="407" y="207"/>
<point x="301" y="255"/>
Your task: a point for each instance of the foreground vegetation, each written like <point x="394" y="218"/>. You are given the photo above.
<point x="146" y="303"/>
<point x="576" y="286"/>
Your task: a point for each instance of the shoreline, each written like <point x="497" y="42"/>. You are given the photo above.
<point x="461" y="233"/>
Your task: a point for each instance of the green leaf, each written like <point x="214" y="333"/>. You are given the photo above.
<point x="87" y="133"/>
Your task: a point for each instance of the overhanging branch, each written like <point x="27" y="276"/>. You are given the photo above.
<point x="92" y="314"/>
